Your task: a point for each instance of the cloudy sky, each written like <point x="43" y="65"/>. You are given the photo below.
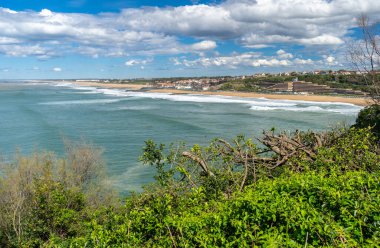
<point x="146" y="38"/>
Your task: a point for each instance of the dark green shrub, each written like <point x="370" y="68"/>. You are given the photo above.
<point x="326" y="195"/>
<point x="56" y="211"/>
<point x="370" y="117"/>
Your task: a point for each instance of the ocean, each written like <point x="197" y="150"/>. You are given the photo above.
<point x="37" y="116"/>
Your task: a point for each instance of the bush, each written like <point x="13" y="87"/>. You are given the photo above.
<point x="44" y="197"/>
<point x="334" y="200"/>
<point x="322" y="190"/>
<point x="370" y="117"/>
<point x="312" y="209"/>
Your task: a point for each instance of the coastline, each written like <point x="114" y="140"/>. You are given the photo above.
<point x="310" y="98"/>
<point x="109" y="86"/>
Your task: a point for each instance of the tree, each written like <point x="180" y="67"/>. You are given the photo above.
<point x="370" y="117"/>
<point x="365" y="56"/>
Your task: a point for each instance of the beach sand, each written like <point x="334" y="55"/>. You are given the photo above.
<point x="110" y="86"/>
<point x="311" y="98"/>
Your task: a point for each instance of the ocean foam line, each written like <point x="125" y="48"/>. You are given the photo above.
<point x="258" y="104"/>
<point x="346" y="111"/>
<point x="137" y="108"/>
<point x="175" y="97"/>
<point x="75" y="102"/>
<point x="62" y="84"/>
<point x="208" y="99"/>
<point x="265" y="104"/>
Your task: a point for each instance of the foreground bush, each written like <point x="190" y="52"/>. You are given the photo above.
<point x="307" y="209"/>
<point x="370" y="117"/>
<point x="295" y="190"/>
<point x="43" y="196"/>
<point x="332" y="199"/>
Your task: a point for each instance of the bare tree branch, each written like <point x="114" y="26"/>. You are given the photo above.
<point x="364" y="55"/>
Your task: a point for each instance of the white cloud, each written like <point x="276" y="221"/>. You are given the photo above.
<point x="154" y="30"/>
<point x="281" y="59"/>
<point x="258" y="46"/>
<point x="8" y="41"/>
<point x="244" y="59"/>
<point x="284" y="55"/>
<point x="330" y="60"/>
<point x="46" y="13"/>
<point x="204" y="45"/>
<point x="322" y="40"/>
<point x="57" y="69"/>
<point x="133" y="62"/>
<point x="298" y="61"/>
<point x="176" y="61"/>
<point x="9" y="11"/>
<point x="26" y="50"/>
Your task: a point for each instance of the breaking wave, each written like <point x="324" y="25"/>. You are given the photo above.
<point x="255" y="104"/>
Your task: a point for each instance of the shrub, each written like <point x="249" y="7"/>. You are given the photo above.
<point x="304" y="189"/>
<point x="44" y="197"/>
<point x="370" y="117"/>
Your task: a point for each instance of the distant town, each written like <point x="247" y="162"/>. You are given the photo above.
<point x="342" y="82"/>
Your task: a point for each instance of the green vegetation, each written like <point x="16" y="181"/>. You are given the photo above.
<point x="370" y="116"/>
<point x="43" y="197"/>
<point x="253" y="84"/>
<point x="303" y="189"/>
<point x="355" y="82"/>
<point x="246" y="85"/>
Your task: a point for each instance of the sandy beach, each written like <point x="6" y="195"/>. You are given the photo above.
<point x="312" y="98"/>
<point x="110" y="86"/>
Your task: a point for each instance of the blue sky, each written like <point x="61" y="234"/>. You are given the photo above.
<point x="130" y="39"/>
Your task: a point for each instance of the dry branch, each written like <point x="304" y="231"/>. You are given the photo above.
<point x="200" y="161"/>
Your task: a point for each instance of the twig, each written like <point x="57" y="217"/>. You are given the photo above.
<point x="171" y="236"/>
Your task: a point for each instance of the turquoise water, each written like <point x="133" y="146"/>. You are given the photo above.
<point x="35" y="116"/>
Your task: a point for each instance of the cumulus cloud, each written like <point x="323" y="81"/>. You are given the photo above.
<point x="322" y="40"/>
<point x="156" y="30"/>
<point x="282" y="59"/>
<point x="133" y="62"/>
<point x="27" y="50"/>
<point x="204" y="45"/>
<point x="57" y="69"/>
<point x="284" y="55"/>
<point x="299" y="61"/>
<point x="330" y="60"/>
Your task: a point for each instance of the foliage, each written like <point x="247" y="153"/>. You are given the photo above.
<point x="312" y="209"/>
<point x="301" y="189"/>
<point x="55" y="211"/>
<point x="42" y="196"/>
<point x="223" y="168"/>
<point x="356" y="82"/>
<point x="370" y="117"/>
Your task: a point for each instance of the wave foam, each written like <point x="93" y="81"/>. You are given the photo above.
<point x="258" y="104"/>
<point x="341" y="110"/>
<point x="77" y="102"/>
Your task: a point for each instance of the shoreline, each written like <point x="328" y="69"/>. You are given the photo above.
<point x="309" y="98"/>
<point x="109" y="85"/>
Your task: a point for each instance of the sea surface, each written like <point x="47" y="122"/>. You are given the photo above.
<point x="37" y="116"/>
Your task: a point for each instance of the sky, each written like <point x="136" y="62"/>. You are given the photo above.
<point x="42" y="39"/>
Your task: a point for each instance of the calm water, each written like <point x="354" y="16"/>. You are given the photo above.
<point x="35" y="116"/>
